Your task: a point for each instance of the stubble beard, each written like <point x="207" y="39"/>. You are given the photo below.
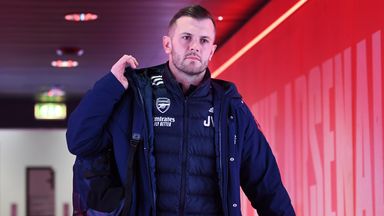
<point x="189" y="68"/>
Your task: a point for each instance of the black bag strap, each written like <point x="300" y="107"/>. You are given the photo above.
<point x="135" y="141"/>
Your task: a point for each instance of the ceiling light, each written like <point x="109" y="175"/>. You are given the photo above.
<point x="51" y="94"/>
<point x="64" y="63"/>
<point x="220" y="18"/>
<point x="258" y="38"/>
<point x="55" y="92"/>
<point x="81" y="17"/>
<point x="70" y="51"/>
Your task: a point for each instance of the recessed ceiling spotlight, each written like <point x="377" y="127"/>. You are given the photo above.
<point x="70" y="51"/>
<point x="64" y="63"/>
<point x="220" y="18"/>
<point x="81" y="17"/>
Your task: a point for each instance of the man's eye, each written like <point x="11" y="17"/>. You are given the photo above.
<point x="204" y="41"/>
<point x="186" y="37"/>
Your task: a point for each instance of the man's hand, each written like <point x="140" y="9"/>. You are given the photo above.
<point x="119" y="67"/>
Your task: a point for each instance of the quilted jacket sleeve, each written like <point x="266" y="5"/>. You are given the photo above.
<point x="87" y="131"/>
<point x="259" y="174"/>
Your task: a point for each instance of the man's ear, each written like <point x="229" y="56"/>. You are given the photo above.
<point x="212" y="51"/>
<point x="167" y="45"/>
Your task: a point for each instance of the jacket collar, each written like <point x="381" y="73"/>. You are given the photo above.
<point x="172" y="85"/>
<point x="221" y="87"/>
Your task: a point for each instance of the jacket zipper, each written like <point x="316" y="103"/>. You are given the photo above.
<point x="184" y="159"/>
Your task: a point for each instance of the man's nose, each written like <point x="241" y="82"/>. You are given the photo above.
<point x="194" y="45"/>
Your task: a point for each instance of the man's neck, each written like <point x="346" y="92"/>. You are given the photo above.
<point x="186" y="80"/>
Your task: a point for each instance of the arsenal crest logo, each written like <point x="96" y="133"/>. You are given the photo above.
<point x="163" y="104"/>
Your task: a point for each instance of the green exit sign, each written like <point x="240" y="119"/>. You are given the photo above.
<point x="50" y="111"/>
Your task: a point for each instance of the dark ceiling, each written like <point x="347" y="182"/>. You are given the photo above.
<point x="32" y="31"/>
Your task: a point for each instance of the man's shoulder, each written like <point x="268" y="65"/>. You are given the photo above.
<point x="225" y="88"/>
<point x="223" y="83"/>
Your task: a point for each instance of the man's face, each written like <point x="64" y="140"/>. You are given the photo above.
<point x="190" y="45"/>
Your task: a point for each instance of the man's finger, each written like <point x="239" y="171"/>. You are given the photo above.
<point x="136" y="62"/>
<point x="131" y="61"/>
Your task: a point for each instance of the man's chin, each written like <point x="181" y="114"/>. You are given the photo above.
<point x="194" y="72"/>
<point x="192" y="62"/>
<point x="193" y="69"/>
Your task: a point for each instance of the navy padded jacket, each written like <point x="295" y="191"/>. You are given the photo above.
<point x="244" y="157"/>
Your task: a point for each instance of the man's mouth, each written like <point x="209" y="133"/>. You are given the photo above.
<point x="193" y="57"/>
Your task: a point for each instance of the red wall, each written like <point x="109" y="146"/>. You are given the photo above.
<point x="315" y="84"/>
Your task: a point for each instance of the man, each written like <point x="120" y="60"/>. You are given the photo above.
<point x="201" y="142"/>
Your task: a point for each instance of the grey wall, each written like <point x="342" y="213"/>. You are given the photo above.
<point x="20" y="148"/>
